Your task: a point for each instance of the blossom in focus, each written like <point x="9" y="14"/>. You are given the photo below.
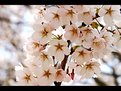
<point x="25" y="77"/>
<point x="81" y="55"/>
<point x="110" y="13"/>
<point x="60" y="75"/>
<point x="43" y="34"/>
<point x="71" y="32"/>
<point x="89" y="69"/>
<point x="68" y="40"/>
<point x="45" y="76"/>
<point x="58" y="49"/>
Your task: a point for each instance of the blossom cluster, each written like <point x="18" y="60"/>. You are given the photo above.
<point x="69" y="40"/>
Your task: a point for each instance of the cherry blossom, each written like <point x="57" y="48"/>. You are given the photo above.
<point x="25" y="77"/>
<point x="54" y="16"/>
<point x="81" y="55"/>
<point x="44" y="59"/>
<point x="60" y="75"/>
<point x="69" y="40"/>
<point x="69" y="15"/>
<point x="110" y="13"/>
<point x="43" y="35"/>
<point x="58" y="49"/>
<point x="45" y="76"/>
<point x="88" y="70"/>
<point x="71" y="32"/>
<point x="33" y="47"/>
<point x="86" y="17"/>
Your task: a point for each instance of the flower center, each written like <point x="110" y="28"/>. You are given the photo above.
<point x="89" y="66"/>
<point x="56" y="16"/>
<point x="70" y="13"/>
<point x="87" y="31"/>
<point x="58" y="73"/>
<point x="109" y="11"/>
<point x="27" y="77"/>
<point x="44" y="57"/>
<point x="86" y="13"/>
<point x="44" y="32"/>
<point x="35" y="44"/>
<point x="96" y="43"/>
<point x="81" y="53"/>
<point x="47" y="73"/>
<point x="59" y="47"/>
<point x="74" y="31"/>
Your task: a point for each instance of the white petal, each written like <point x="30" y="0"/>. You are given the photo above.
<point x="62" y="42"/>
<point x="67" y="78"/>
<point x="59" y="56"/>
<point x="67" y="35"/>
<point x="66" y="50"/>
<point x="87" y="18"/>
<point x="53" y="42"/>
<point x="102" y="12"/>
<point x="88" y="74"/>
<point x="51" y="51"/>
<point x="55" y="23"/>
<point x="116" y="7"/>
<point x="77" y="70"/>
<point x="97" y="70"/>
<point x="72" y="65"/>
<point x="108" y="20"/>
<point x="74" y="55"/>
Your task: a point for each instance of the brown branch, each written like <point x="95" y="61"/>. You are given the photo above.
<point x="100" y="82"/>
<point x="63" y="64"/>
<point x="113" y="73"/>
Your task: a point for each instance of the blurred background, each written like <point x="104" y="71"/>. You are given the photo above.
<point x="15" y="28"/>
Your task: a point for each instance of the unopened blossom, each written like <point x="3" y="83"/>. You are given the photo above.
<point x="110" y="13"/>
<point x="81" y="55"/>
<point x="58" y="49"/>
<point x="89" y="69"/>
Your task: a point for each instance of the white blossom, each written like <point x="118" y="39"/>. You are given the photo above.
<point x="43" y="34"/>
<point x="71" y="32"/>
<point x="25" y="77"/>
<point x="110" y="13"/>
<point x="58" y="49"/>
<point x="60" y="75"/>
<point x="89" y="69"/>
<point x="81" y="55"/>
<point x="68" y="40"/>
<point x="45" y="76"/>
